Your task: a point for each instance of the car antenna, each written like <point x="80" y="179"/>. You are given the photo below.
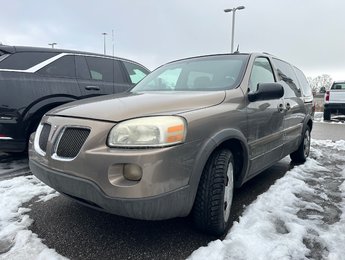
<point x="238" y="47"/>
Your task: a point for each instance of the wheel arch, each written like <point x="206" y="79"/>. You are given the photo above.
<point x="34" y="113"/>
<point x="232" y="139"/>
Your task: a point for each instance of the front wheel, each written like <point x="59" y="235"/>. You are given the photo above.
<point x="211" y="210"/>
<point x="301" y="154"/>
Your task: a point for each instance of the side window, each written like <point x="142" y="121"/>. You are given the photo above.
<point x="25" y="60"/>
<point x="100" y="68"/>
<point x="287" y="75"/>
<point x="83" y="71"/>
<point x="63" y="67"/>
<point x="306" y="89"/>
<point x="118" y="72"/>
<point x="135" y="72"/>
<point x="261" y="73"/>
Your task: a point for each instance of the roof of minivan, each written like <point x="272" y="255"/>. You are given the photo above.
<point x="14" y="49"/>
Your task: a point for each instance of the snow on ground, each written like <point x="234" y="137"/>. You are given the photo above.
<point x="318" y="117"/>
<point x="301" y="216"/>
<point x="16" y="241"/>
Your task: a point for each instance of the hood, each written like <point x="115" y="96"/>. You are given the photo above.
<point x="130" y="105"/>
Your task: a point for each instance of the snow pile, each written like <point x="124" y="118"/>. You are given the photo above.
<point x="301" y="215"/>
<point x="16" y="242"/>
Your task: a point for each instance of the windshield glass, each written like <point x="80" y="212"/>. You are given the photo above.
<point x="198" y="74"/>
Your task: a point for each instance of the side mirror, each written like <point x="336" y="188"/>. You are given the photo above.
<point x="267" y="91"/>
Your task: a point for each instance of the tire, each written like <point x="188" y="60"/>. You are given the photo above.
<point x="211" y="210"/>
<point x="326" y="115"/>
<point x="301" y="154"/>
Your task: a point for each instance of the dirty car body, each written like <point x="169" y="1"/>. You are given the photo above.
<point x="159" y="150"/>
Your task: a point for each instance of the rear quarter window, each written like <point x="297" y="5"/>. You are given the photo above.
<point x="135" y="72"/>
<point x="306" y="89"/>
<point x="25" y="60"/>
<point x="62" y="67"/>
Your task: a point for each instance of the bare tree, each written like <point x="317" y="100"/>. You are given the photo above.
<point x="323" y="81"/>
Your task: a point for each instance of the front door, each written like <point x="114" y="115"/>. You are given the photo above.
<point x="265" y="120"/>
<point x="95" y="75"/>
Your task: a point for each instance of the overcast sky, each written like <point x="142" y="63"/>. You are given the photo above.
<point x="308" y="33"/>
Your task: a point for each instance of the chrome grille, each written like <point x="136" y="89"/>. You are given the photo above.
<point x="71" y="141"/>
<point x="43" y="140"/>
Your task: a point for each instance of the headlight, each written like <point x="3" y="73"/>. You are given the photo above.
<point x="154" y="131"/>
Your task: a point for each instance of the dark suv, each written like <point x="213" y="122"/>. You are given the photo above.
<point x="35" y="80"/>
<point x="180" y="140"/>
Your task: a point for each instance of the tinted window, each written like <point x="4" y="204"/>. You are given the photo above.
<point x="100" y="68"/>
<point x="118" y="72"/>
<point x="135" y="72"/>
<point x="261" y="73"/>
<point x="199" y="74"/>
<point x="63" y="67"/>
<point x="306" y="90"/>
<point x="83" y="71"/>
<point x="340" y="85"/>
<point x="287" y="75"/>
<point x="25" y="60"/>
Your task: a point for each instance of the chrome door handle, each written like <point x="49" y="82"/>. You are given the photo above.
<point x="92" y="88"/>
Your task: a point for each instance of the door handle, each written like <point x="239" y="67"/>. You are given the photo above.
<point x="281" y="108"/>
<point x="288" y="106"/>
<point x="92" y="88"/>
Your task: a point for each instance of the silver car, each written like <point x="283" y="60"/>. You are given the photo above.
<point x="180" y="141"/>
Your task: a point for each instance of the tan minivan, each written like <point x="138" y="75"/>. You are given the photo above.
<point x="180" y="141"/>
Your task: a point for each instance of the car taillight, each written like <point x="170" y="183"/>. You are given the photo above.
<point x="327" y="96"/>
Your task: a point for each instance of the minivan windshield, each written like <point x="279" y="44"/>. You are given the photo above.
<point x="209" y="73"/>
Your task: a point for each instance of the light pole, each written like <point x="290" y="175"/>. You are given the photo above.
<point x="104" y="34"/>
<point x="233" y="10"/>
<point x="52" y="44"/>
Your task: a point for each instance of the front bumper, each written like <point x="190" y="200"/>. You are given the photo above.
<point x="95" y="175"/>
<point x="165" y="206"/>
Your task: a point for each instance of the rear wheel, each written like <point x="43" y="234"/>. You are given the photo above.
<point x="211" y="211"/>
<point x="300" y="156"/>
<point x="326" y="115"/>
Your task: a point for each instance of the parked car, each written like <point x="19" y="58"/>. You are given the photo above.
<point x="334" y="102"/>
<point x="180" y="140"/>
<point x="35" y="80"/>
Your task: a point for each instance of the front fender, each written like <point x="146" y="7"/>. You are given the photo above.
<point x="208" y="147"/>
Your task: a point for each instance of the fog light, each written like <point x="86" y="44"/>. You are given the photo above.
<point x="132" y="172"/>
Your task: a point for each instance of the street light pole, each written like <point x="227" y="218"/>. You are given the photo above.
<point x="104" y="34"/>
<point x="52" y="44"/>
<point x="233" y="10"/>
